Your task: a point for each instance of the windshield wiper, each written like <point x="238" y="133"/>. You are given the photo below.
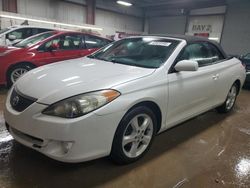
<point x="93" y="57"/>
<point x="113" y="60"/>
<point x="130" y="64"/>
<point x="138" y="65"/>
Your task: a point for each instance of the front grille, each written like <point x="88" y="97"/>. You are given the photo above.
<point x="20" y="102"/>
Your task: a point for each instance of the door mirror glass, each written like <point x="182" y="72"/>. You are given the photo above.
<point x="186" y="65"/>
<point x="12" y="37"/>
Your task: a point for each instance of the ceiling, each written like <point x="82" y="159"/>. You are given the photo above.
<point x="160" y="4"/>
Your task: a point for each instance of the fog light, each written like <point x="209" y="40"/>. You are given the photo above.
<point x="66" y="146"/>
<point x="58" y="148"/>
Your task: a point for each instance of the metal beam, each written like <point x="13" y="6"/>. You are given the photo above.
<point x="190" y="5"/>
<point x="111" y="5"/>
<point x="173" y="3"/>
<point x="10" y="6"/>
<point x="91" y="5"/>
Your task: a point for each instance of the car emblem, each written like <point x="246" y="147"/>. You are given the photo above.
<point x="15" y="101"/>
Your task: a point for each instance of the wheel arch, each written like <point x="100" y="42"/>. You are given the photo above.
<point x="116" y="153"/>
<point x="20" y="63"/>
<point x="154" y="107"/>
<point x="27" y="63"/>
<point x="238" y="83"/>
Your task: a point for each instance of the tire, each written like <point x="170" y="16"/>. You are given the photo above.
<point x="229" y="103"/>
<point x="131" y="142"/>
<point x="16" y="72"/>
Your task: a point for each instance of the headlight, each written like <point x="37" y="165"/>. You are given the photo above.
<point x="80" y="105"/>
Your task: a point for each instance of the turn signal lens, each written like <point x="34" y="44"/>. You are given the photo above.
<point x="110" y="94"/>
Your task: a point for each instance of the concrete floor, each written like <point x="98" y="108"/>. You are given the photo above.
<point x="212" y="150"/>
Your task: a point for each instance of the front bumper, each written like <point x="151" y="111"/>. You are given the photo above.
<point x="67" y="140"/>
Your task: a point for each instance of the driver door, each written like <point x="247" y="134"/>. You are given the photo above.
<point x="191" y="93"/>
<point x="69" y="47"/>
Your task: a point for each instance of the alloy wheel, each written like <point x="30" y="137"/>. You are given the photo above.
<point x="231" y="97"/>
<point x="137" y="135"/>
<point x="17" y="73"/>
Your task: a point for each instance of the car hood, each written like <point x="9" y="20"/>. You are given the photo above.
<point x="58" y="81"/>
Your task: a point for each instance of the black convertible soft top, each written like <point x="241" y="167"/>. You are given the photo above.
<point x="191" y="39"/>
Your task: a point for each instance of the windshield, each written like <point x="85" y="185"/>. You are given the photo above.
<point x="4" y="30"/>
<point x="147" y="52"/>
<point x="33" y="40"/>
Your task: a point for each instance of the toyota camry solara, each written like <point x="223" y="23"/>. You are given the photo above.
<point x="113" y="102"/>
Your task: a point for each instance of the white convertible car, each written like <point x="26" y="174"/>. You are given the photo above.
<point x="113" y="102"/>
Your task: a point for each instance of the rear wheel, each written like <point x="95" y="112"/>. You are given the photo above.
<point x="228" y="105"/>
<point x="134" y="135"/>
<point x="16" y="72"/>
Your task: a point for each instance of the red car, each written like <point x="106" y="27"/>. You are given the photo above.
<point x="45" y="48"/>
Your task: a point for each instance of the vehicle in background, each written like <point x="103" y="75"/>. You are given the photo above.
<point x="245" y="59"/>
<point x="15" y="34"/>
<point x="45" y="48"/>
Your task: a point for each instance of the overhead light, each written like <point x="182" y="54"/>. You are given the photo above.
<point x="124" y="3"/>
<point x="213" y="38"/>
<point x="51" y="22"/>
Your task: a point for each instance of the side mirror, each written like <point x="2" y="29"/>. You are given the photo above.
<point x="186" y="65"/>
<point x="11" y="37"/>
<point x="53" y="47"/>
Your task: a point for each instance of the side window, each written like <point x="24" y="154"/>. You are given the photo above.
<point x="215" y="53"/>
<point x="66" y="42"/>
<point x="53" y="41"/>
<point x="70" y="42"/>
<point x="105" y="42"/>
<point x="21" y="33"/>
<point x="197" y="52"/>
<point x="35" y="31"/>
<point x="39" y="30"/>
<point x="94" y="42"/>
<point x="46" y="45"/>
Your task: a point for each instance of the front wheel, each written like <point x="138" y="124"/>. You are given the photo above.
<point x="134" y="135"/>
<point x="16" y="72"/>
<point x="228" y="105"/>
